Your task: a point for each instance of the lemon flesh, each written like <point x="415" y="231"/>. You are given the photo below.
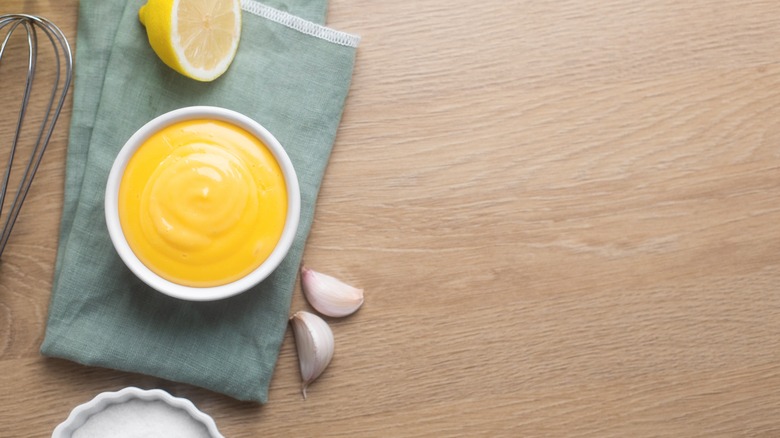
<point x="197" y="38"/>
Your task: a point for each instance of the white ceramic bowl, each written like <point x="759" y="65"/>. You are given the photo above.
<point x="81" y="414"/>
<point x="202" y="293"/>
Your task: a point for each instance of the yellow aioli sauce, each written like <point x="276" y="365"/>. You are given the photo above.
<point x="202" y="203"/>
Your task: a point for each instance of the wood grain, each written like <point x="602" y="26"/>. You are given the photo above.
<point x="565" y="215"/>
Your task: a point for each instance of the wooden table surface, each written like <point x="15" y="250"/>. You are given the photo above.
<point x="565" y="214"/>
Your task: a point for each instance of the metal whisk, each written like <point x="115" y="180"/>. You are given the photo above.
<point x="32" y="25"/>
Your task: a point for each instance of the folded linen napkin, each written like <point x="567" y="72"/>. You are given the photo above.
<point x="292" y="76"/>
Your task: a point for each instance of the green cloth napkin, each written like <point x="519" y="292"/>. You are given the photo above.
<point x="291" y="75"/>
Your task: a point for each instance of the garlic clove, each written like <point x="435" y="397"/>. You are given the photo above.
<point x="329" y="295"/>
<point x="314" y="342"/>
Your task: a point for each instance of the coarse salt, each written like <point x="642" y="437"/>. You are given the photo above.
<point x="141" y="418"/>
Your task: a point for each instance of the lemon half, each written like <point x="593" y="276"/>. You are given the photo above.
<point x="197" y="38"/>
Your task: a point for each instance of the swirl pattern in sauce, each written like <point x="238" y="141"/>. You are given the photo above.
<point x="202" y="203"/>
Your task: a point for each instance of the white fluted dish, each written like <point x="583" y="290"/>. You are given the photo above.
<point x="77" y="422"/>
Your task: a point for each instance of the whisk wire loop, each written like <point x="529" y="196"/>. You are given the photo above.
<point x="62" y="52"/>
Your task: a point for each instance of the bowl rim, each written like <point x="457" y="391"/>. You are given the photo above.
<point x="210" y="293"/>
<point x="81" y="413"/>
